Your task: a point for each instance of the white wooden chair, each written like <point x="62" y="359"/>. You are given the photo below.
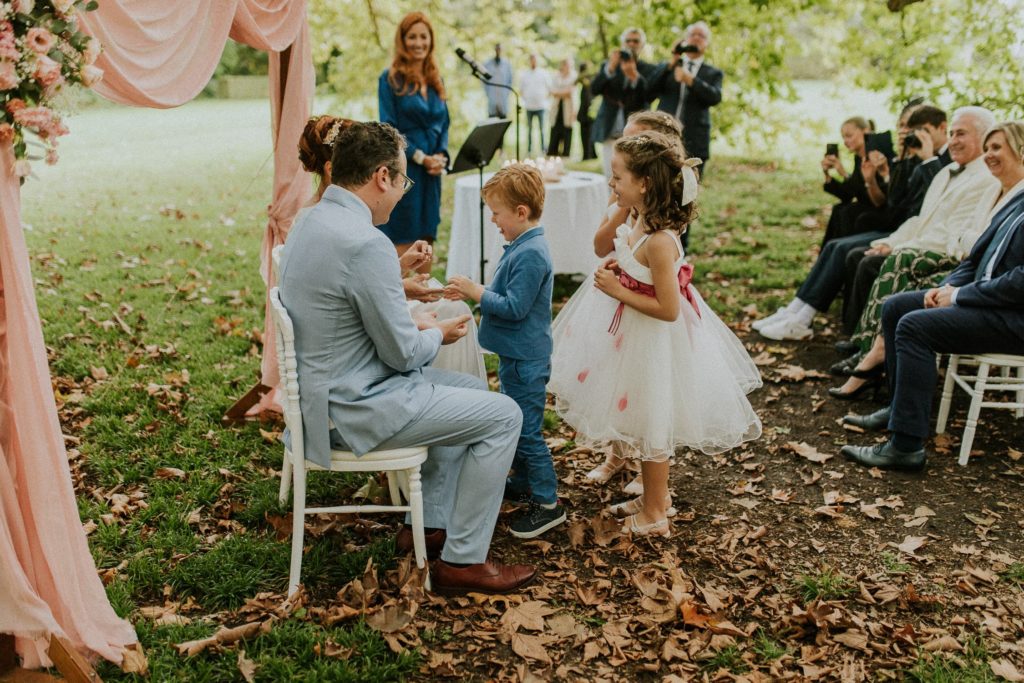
<point x="401" y="464"/>
<point x="976" y="385"/>
<point x="275" y="262"/>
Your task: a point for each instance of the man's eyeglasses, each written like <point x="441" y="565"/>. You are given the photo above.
<point x="632" y="40"/>
<point x="407" y="182"/>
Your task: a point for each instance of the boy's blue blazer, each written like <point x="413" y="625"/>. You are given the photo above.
<point x="516" y="307"/>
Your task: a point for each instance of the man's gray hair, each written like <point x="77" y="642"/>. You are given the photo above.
<point x="701" y="25"/>
<point x="622" y="36"/>
<point x="982" y="118"/>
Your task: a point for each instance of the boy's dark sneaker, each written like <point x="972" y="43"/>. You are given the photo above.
<point x="516" y="497"/>
<point x="536" y="520"/>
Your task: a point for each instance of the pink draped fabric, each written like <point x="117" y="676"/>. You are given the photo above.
<point x="156" y="54"/>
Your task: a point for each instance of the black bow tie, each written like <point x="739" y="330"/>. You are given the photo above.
<point x="953" y="172"/>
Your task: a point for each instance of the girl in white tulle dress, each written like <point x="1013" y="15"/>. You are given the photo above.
<point x="639" y="358"/>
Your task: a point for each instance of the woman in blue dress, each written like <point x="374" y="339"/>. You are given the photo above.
<point x="412" y="99"/>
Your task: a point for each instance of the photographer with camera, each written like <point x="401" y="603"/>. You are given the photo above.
<point x="623" y="82"/>
<point x="687" y="87"/>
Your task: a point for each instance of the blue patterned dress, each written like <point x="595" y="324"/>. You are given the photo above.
<point x="424" y="123"/>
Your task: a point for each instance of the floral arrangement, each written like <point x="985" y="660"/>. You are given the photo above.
<point x="42" y="51"/>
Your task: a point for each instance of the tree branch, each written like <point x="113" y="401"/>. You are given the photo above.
<point x="898" y="5"/>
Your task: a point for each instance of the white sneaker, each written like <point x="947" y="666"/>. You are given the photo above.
<point x="775" y="317"/>
<point x="788" y="329"/>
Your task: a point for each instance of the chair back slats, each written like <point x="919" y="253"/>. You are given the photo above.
<point x="288" y="366"/>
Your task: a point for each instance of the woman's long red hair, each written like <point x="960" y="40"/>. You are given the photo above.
<point x="403" y="77"/>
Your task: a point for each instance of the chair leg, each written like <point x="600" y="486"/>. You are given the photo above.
<point x="1020" y="393"/>
<point x="286" y="477"/>
<point x="977" y="394"/>
<point x="947" y="395"/>
<point x="393" y="488"/>
<point x="419" y="543"/>
<point x="298" y="527"/>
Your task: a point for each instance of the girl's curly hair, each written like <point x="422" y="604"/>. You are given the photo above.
<point x="658" y="160"/>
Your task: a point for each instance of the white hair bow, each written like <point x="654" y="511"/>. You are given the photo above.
<point x="690" y="185"/>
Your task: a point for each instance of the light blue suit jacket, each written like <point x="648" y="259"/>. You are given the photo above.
<point x="359" y="354"/>
<point x="516" y="307"/>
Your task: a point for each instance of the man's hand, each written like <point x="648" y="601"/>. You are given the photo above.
<point x="878" y="162"/>
<point x="416" y="288"/>
<point x="927" y="149"/>
<point x="629" y="70"/>
<point x="425" y="320"/>
<point x="939" y="297"/>
<point x="880" y="250"/>
<point x="613" y="60"/>
<point x="453" y="329"/>
<point x="418" y="254"/>
<point x="682" y="75"/>
<point x="464" y="288"/>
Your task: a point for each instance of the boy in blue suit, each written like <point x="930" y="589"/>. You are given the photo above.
<point x="516" y="325"/>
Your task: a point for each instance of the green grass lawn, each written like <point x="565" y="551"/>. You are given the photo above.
<point x="145" y="245"/>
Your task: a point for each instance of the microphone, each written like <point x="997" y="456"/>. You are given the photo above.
<point x="477" y="69"/>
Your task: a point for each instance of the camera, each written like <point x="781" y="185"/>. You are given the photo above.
<point x="626" y="55"/>
<point x="681" y="48"/>
<point x="911" y="141"/>
<point x="832" y="149"/>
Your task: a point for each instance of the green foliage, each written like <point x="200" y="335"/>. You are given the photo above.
<point x="766" y="647"/>
<point x="1015" y="573"/>
<point x="971" y="666"/>
<point x="893" y="565"/>
<point x="242" y="60"/>
<point x="729" y="658"/>
<point x="825" y="585"/>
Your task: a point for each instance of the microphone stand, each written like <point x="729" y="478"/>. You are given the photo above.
<point x="480" y="77"/>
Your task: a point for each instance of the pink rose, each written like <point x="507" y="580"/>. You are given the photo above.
<point x="22" y="168"/>
<point x="47" y="71"/>
<point x="51" y="156"/>
<point x="36" y="118"/>
<point x="91" y="75"/>
<point x="39" y="40"/>
<point x="6" y="132"/>
<point x="92" y="51"/>
<point x="8" y="75"/>
<point x="15" y="104"/>
<point x="23" y="6"/>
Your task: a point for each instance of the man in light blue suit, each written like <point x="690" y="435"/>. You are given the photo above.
<point x="363" y="364"/>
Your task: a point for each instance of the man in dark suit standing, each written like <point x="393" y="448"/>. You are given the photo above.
<point x="979" y="308"/>
<point x="623" y="82"/>
<point x="687" y="88"/>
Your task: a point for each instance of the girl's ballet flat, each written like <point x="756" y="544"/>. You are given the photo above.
<point x="659" y="528"/>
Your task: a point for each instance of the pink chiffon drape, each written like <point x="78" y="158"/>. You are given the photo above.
<point x="156" y="54"/>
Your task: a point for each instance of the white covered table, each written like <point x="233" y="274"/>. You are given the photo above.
<point x="573" y="208"/>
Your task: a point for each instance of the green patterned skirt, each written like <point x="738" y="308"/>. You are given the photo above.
<point x="902" y="271"/>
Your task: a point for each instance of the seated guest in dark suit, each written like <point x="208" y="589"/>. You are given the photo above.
<point x="979" y="308"/>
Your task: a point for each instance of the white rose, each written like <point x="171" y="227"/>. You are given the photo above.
<point x="23" y="6"/>
<point x="92" y="51"/>
<point x="91" y="75"/>
<point x="63" y="6"/>
<point x="22" y="168"/>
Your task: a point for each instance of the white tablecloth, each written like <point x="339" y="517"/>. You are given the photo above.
<point x="573" y="208"/>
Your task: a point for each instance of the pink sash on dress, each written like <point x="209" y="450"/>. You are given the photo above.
<point x="634" y="285"/>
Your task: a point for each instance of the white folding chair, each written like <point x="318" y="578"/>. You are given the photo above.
<point x="976" y="385"/>
<point x="402" y="464"/>
<point x="275" y="262"/>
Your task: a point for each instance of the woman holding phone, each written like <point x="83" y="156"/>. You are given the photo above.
<point x="849" y="188"/>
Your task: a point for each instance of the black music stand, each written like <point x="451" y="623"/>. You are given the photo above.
<point x="477" y="151"/>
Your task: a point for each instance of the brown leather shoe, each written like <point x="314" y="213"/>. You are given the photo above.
<point x="434" y="542"/>
<point x="486" y="577"/>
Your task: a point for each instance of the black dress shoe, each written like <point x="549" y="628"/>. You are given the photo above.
<point x="886" y="457"/>
<point x="847" y="347"/>
<point x="873" y="422"/>
<point x="872" y="385"/>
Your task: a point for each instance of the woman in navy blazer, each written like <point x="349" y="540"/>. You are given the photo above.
<point x="411" y="97"/>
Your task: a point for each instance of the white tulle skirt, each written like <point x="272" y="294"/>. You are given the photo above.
<point x="655" y="385"/>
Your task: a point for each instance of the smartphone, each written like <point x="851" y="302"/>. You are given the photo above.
<point x="832" y="149"/>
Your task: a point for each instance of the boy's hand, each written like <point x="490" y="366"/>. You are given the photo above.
<point x="416" y="288"/>
<point x="416" y="255"/>
<point x="465" y="287"/>
<point x="454" y="329"/>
